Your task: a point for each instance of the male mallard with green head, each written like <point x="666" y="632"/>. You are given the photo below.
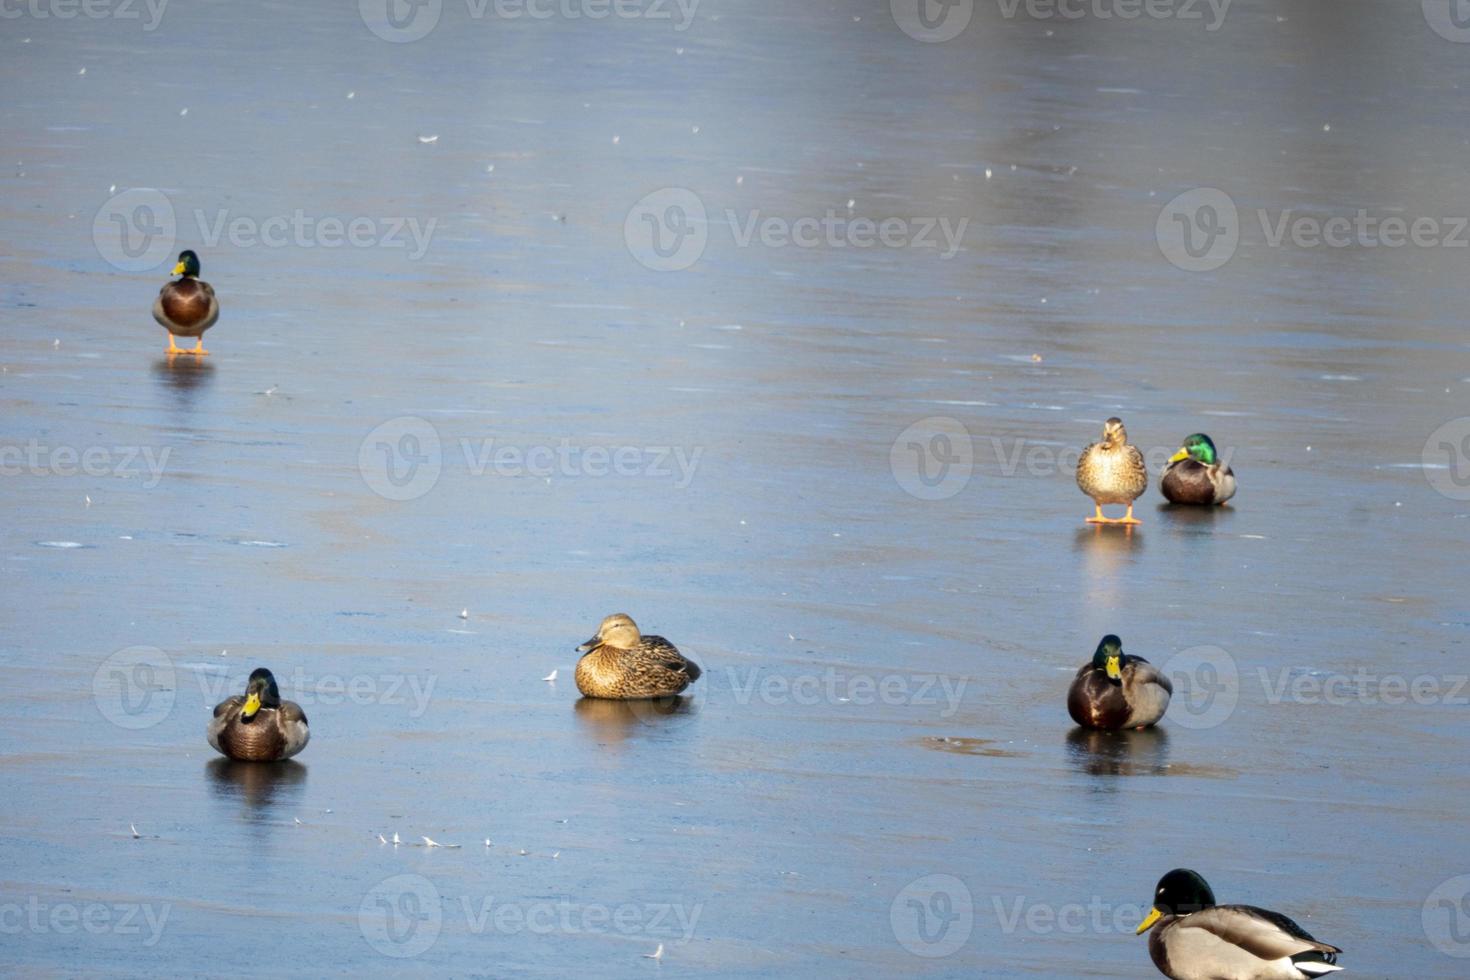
<point x="1195" y="476"/>
<point x="1195" y="939"/>
<point x="186" y="307"/>
<point x="1112" y="472"/>
<point x="1114" y="690"/>
<point x="258" y="726"/>
<point x="623" y="664"/>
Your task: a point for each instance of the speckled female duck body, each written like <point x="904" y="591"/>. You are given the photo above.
<point x="621" y="663"/>
<point x="1114" y="691"/>
<point x="1112" y="472"/>
<point x="258" y="726"/>
<point x="1192" y="938"/>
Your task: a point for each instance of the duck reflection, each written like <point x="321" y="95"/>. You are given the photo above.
<point x="256" y="784"/>
<point x="183" y="374"/>
<point x="616" y="721"/>
<point x="1120" y="753"/>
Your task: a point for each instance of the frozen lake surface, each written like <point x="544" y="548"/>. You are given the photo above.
<point x="495" y="402"/>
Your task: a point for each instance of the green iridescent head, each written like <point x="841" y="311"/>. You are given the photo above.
<point x="1109" y="657"/>
<point x="1197" y="447"/>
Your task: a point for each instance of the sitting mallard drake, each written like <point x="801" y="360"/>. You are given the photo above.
<point x="258" y="726"/>
<point x="1195" y="476"/>
<point x="1115" y="690"/>
<point x="1195" y="939"/>
<point x="1112" y="472"/>
<point x="186" y="307"/>
<point x="623" y="664"/>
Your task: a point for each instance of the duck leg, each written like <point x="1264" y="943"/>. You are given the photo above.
<point x="199" y="351"/>
<point x="172" y="347"/>
<point x="1097" y="515"/>
<point x="1128" y="518"/>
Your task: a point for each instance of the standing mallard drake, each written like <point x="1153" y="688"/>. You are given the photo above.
<point x="1114" y="690"/>
<point x="1195" y="939"/>
<point x="1112" y="472"/>
<point x="1195" y="476"/>
<point x="186" y="307"/>
<point x="623" y="664"/>
<point x="258" y="726"/>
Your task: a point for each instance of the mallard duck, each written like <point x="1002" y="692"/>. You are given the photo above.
<point x="258" y="726"/>
<point x="1194" y="476"/>
<point x="186" y="307"/>
<point x="623" y="664"/>
<point x="1112" y="472"/>
<point x="1114" y="690"/>
<point x="1195" y="939"/>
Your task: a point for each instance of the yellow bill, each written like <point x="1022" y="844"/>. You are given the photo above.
<point x="1154" y="915"/>
<point x="252" y="705"/>
<point x="1115" y="667"/>
<point x="178" y="270"/>
<point x="1181" y="454"/>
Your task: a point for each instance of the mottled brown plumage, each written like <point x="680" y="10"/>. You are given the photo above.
<point x="258" y="726"/>
<point x="623" y="664"/>
<point x="1112" y="472"/>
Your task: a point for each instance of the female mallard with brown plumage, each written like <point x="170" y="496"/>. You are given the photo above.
<point x="186" y="307"/>
<point x="1195" y="476"/>
<point x="1114" y="690"/>
<point x="258" y="726"/>
<point x="1112" y="472"/>
<point x="1195" y="939"/>
<point x="623" y="664"/>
